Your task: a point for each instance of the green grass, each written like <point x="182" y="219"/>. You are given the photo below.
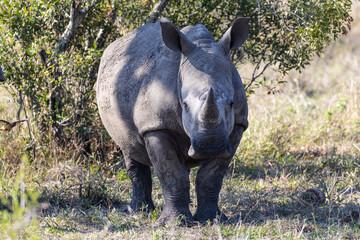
<point x="305" y="136"/>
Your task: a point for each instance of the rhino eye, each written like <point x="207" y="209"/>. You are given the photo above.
<point x="231" y="104"/>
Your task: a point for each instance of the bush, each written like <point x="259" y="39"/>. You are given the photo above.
<point x="50" y="55"/>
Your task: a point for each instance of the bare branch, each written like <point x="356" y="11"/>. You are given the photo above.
<point x="259" y="12"/>
<point x="255" y="77"/>
<point x="77" y="15"/>
<point x="264" y="7"/>
<point x="21" y="107"/>
<point x="20" y="101"/>
<point x="67" y="122"/>
<point x="121" y="162"/>
<point x="157" y="10"/>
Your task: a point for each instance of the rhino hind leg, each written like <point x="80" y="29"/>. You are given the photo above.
<point x="140" y="176"/>
<point x="162" y="149"/>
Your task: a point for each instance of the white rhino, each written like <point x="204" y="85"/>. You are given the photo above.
<point x="172" y="99"/>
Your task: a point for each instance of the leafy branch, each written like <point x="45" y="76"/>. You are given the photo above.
<point x="77" y="15"/>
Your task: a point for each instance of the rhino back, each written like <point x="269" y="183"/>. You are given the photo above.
<point x="136" y="86"/>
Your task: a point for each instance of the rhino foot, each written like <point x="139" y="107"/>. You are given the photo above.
<point x="169" y="217"/>
<point x="141" y="181"/>
<point x="203" y="216"/>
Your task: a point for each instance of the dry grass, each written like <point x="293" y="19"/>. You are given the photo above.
<point x="305" y="136"/>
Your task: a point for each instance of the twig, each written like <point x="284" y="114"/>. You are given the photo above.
<point x="66" y="122"/>
<point x="157" y="10"/>
<point x="20" y="101"/>
<point x="28" y="124"/>
<point x="327" y="192"/>
<point x="259" y="12"/>
<point x="356" y="147"/>
<point x="116" y="164"/>
<point x="76" y="184"/>
<point x="264" y="7"/>
<point x="253" y="78"/>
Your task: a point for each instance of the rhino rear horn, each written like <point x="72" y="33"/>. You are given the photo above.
<point x="173" y="38"/>
<point x="236" y="35"/>
<point x="210" y="112"/>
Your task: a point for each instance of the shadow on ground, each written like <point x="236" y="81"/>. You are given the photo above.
<point x="253" y="193"/>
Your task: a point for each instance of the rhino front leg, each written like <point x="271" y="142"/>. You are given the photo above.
<point x="140" y="176"/>
<point x="208" y="184"/>
<point x="209" y="181"/>
<point x="164" y="155"/>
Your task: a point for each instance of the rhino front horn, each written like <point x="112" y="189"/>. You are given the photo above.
<point x="209" y="111"/>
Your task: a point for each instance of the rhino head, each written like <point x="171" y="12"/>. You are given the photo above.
<point x="205" y="85"/>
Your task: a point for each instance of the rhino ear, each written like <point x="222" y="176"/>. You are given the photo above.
<point x="173" y="38"/>
<point x="236" y="35"/>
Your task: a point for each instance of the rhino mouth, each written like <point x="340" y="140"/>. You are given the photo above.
<point x="210" y="148"/>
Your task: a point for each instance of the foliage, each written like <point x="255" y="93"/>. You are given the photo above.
<point x="304" y="137"/>
<point x="283" y="34"/>
<point x="57" y="86"/>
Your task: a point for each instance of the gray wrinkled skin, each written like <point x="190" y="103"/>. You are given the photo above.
<point x="173" y="100"/>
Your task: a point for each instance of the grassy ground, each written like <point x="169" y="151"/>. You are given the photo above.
<point x="306" y="136"/>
